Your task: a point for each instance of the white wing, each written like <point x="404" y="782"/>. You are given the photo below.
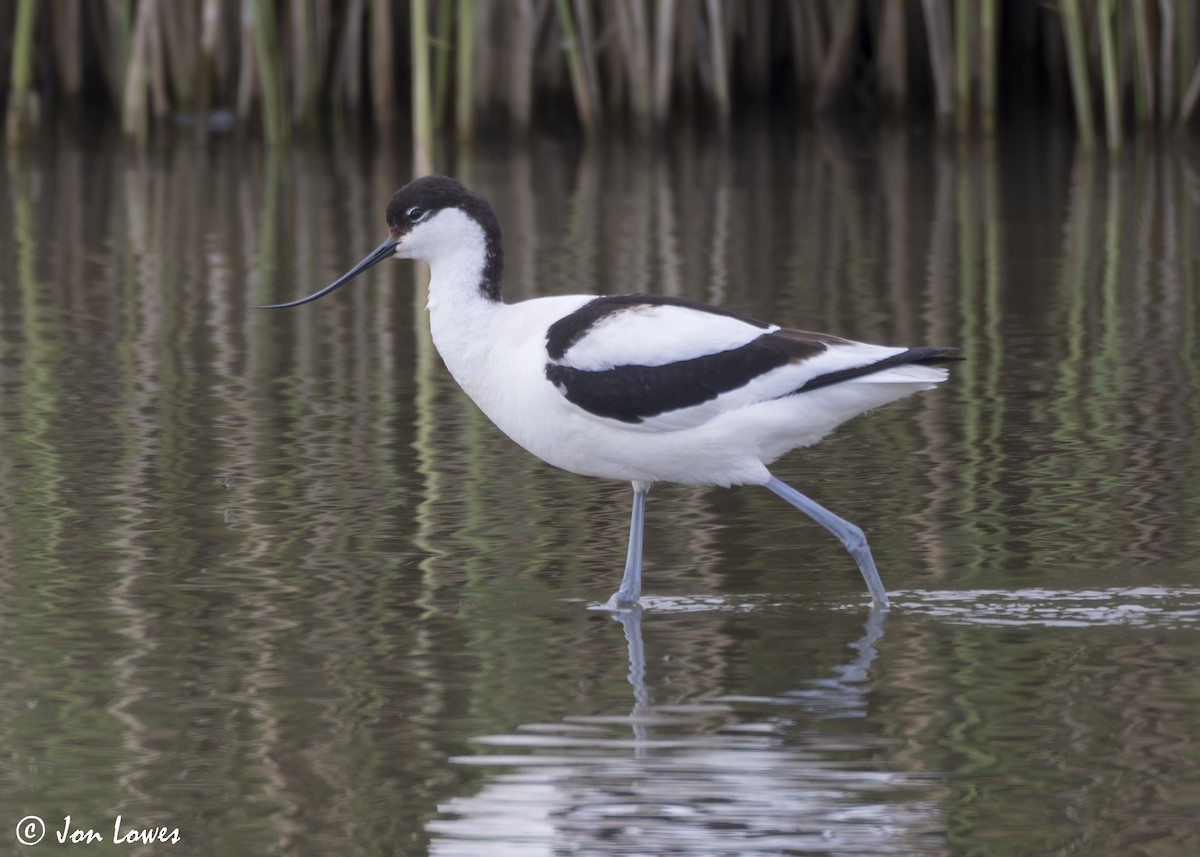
<point x="662" y="364"/>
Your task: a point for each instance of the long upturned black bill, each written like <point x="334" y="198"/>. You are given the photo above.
<point x="383" y="251"/>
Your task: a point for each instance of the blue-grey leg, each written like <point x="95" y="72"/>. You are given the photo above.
<point x="631" y="580"/>
<point x="848" y="534"/>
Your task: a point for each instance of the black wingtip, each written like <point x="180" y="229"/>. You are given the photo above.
<point x="931" y="356"/>
<point x="927" y="356"/>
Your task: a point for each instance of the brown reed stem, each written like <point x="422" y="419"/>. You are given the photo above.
<point x="382" y="63"/>
<point x="838" y="62"/>
<point x="893" y="54"/>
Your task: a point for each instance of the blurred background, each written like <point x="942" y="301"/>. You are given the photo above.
<point x="282" y="68"/>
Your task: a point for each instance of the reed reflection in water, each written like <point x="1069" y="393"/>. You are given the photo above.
<point x="273" y="580"/>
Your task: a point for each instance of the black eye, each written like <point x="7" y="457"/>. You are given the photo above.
<point x="415" y="214"/>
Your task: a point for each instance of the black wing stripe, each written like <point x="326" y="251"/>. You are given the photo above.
<point x="632" y="394"/>
<point x="569" y="329"/>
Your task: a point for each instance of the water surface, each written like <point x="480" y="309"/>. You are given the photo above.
<point x="270" y="579"/>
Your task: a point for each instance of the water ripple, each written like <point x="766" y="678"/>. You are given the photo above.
<point x="1136" y="606"/>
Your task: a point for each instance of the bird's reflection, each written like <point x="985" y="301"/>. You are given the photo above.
<point x="631" y="624"/>
<point x="844" y="692"/>
<point x="712" y="772"/>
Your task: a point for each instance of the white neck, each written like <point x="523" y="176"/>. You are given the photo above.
<point x="461" y="310"/>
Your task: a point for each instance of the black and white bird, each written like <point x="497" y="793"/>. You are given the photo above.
<point x="641" y="388"/>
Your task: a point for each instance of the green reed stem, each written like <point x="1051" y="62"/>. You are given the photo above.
<point x="584" y="106"/>
<point x="464" y="92"/>
<point x="1108" y="61"/>
<point x="1143" y="71"/>
<point x="22" y="71"/>
<point x="422" y="118"/>
<point x="963" y="14"/>
<point x="988" y="36"/>
<point x="270" y="74"/>
<point x="1077" y="64"/>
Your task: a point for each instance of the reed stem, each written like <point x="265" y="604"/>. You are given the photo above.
<point x="838" y="62"/>
<point x="310" y="64"/>
<point x="22" y="72"/>
<point x="963" y="18"/>
<point x="464" y="93"/>
<point x="937" y="30"/>
<point x="720" y="64"/>
<point x="441" y="64"/>
<point x="664" y="42"/>
<point x="635" y="46"/>
<point x="382" y="62"/>
<point x="270" y="74"/>
<point x="585" y="107"/>
<point x="1187" y="105"/>
<point x="1077" y="64"/>
<point x="988" y="36"/>
<point x="1108" y="61"/>
<point x="1143" y="73"/>
<point x="1166" y="59"/>
<point x="422" y="130"/>
<point x="135" y="114"/>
